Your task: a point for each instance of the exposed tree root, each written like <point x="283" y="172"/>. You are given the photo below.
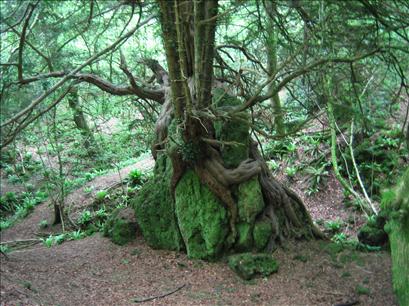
<point x="283" y="208"/>
<point x="282" y="201"/>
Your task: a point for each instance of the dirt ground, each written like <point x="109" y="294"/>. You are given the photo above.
<point x="94" y="271"/>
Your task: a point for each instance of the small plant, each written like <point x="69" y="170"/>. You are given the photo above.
<point x="49" y="241"/>
<point x="89" y="176"/>
<point x="361" y="290"/>
<point x="14" y="179"/>
<point x="43" y="224"/>
<point x="135" y="176"/>
<point x="88" y="189"/>
<point x="101" y="213"/>
<point x="101" y="195"/>
<point x="273" y="165"/>
<point x="85" y="217"/>
<point x="77" y="235"/>
<point x="4" y="224"/>
<point x="316" y="176"/>
<point x="333" y="226"/>
<point x="59" y="238"/>
<point x="29" y="187"/>
<point x="291" y="171"/>
<point x="4" y="249"/>
<point x="371" y="221"/>
<point x="9" y="170"/>
<point x="339" y="238"/>
<point x="10" y="196"/>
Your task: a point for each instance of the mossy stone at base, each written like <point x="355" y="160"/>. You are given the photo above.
<point x="248" y="265"/>
<point x="372" y="235"/>
<point x="245" y="237"/>
<point x="154" y="209"/>
<point x="202" y="218"/>
<point x="250" y="200"/>
<point x="262" y="233"/>
<point x="121" y="226"/>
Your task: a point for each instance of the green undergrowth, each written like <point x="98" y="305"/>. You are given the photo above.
<point x="17" y="206"/>
<point x="109" y="215"/>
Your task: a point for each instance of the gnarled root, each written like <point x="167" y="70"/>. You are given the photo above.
<point x="286" y="211"/>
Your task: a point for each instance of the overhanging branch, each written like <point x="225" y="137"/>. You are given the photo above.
<point x="72" y="74"/>
<point x="301" y="71"/>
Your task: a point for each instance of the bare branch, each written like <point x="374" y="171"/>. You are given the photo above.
<point x="22" y="40"/>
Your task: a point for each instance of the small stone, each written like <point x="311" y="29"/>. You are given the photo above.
<point x="248" y="265"/>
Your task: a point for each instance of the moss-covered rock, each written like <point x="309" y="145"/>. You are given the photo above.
<point x="244" y="237"/>
<point x="372" y="235"/>
<point x="248" y="265"/>
<point x="121" y="226"/>
<point x="202" y="218"/>
<point x="250" y="200"/>
<point x="262" y="233"/>
<point x="154" y="208"/>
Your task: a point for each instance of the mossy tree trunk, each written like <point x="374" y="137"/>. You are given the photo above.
<point x="212" y="191"/>
<point x="80" y="120"/>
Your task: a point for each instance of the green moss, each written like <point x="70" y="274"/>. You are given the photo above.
<point x="123" y="232"/>
<point x="248" y="265"/>
<point x="362" y="290"/>
<point x="120" y="226"/>
<point x="250" y="202"/>
<point x="202" y="218"/>
<point x="262" y="233"/>
<point x="398" y="230"/>
<point x="234" y="130"/>
<point x="154" y="208"/>
<point x="399" y="241"/>
<point x="245" y="238"/>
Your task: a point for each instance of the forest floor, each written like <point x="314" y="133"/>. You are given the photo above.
<point x="94" y="271"/>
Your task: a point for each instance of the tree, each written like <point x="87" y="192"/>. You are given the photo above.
<point x="212" y="190"/>
<point x="216" y="171"/>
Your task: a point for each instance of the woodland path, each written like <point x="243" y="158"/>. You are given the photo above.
<point x="94" y="271"/>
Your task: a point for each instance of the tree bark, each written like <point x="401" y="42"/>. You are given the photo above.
<point x="80" y="120"/>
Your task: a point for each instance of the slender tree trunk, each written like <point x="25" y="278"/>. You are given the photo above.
<point x="271" y="45"/>
<point x="80" y="120"/>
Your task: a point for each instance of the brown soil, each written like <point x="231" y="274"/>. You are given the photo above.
<point x="94" y="271"/>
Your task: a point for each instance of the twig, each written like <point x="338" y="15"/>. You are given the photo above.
<point x="136" y="300"/>
<point x="20" y="241"/>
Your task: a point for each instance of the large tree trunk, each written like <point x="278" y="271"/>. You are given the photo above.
<point x="211" y="192"/>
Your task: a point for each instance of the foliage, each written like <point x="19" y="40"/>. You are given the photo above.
<point x="135" y="177"/>
<point x="333" y="225"/>
<point x="18" y="206"/>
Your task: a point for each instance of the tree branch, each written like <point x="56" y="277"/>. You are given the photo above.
<point x="73" y="72"/>
<point x="22" y="40"/>
<point x="257" y="98"/>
